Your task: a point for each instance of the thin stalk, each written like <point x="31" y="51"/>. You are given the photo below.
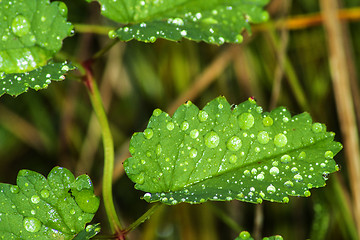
<point x="108" y="144"/>
<point x="96" y="29"/>
<point x="143" y="218"/>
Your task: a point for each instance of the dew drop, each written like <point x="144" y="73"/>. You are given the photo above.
<point x="72" y="211"/>
<point x="263" y="137"/>
<point x="233" y="159"/>
<point x="65" y="68"/>
<point x="170" y="126"/>
<point x="270" y="189"/>
<point x="184" y="125"/>
<point x="268" y="121"/>
<point x="294" y="170"/>
<point x="14" y="189"/>
<point x="35" y="199"/>
<point x="260" y="177"/>
<point x="239" y="38"/>
<point x="317" y="127"/>
<point x="244" y="235"/>
<point x="307" y="193"/>
<point x="285" y="158"/>
<point x="148" y="133"/>
<point x="212" y="139"/>
<point x="280" y="140"/>
<point x="62" y="9"/>
<point x="112" y="34"/>
<point x="329" y="154"/>
<point x="147" y="196"/>
<point x="302" y="155"/>
<point x="140" y="178"/>
<point x="194" y="133"/>
<point x="298" y="178"/>
<point x="32" y="224"/>
<point x="20" y="26"/>
<point x="157" y="112"/>
<point x="45" y="193"/>
<point x="322" y="165"/>
<point x="246" y="120"/>
<point x="158" y="149"/>
<point x="234" y="143"/>
<point x="285" y="199"/>
<point x="274" y="171"/>
<point x="152" y="39"/>
<point x="203" y="116"/>
<point x="289" y="184"/>
<point x="193" y="153"/>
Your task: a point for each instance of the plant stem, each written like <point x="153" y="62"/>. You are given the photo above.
<point x="108" y="144"/>
<point x="143" y="218"/>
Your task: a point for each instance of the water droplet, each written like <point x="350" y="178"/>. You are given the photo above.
<point x="147" y="196"/>
<point x="285" y="158"/>
<point x="170" y="126"/>
<point x="65" y="68"/>
<point x="329" y="155"/>
<point x="268" y="121"/>
<point x="20" y="26"/>
<point x="87" y="201"/>
<point x="193" y="153"/>
<point x="244" y="235"/>
<point x="263" y="137"/>
<point x="35" y="199"/>
<point x="152" y="39"/>
<point x="317" y="127"/>
<point x="148" y="133"/>
<point x="323" y="165"/>
<point x="307" y="193"/>
<point x="260" y="177"/>
<point x="239" y="38"/>
<point x="212" y="139"/>
<point x="271" y="189"/>
<point x="112" y="34"/>
<point x="233" y="159"/>
<point x="184" y="125"/>
<point x="280" y="140"/>
<point x="194" y="133"/>
<point x="253" y="171"/>
<point x="274" y="171"/>
<point x="246" y="120"/>
<point x="33" y="212"/>
<point x="247" y="173"/>
<point x="298" y="178"/>
<point x="72" y="211"/>
<point x="289" y="184"/>
<point x="294" y="170"/>
<point x="43" y="18"/>
<point x="157" y="112"/>
<point x="203" y="116"/>
<point x="302" y="156"/>
<point x="285" y="199"/>
<point x="140" y="178"/>
<point x="45" y="193"/>
<point x="234" y="143"/>
<point x="14" y="189"/>
<point x="32" y="224"/>
<point x="158" y="149"/>
<point x="183" y="33"/>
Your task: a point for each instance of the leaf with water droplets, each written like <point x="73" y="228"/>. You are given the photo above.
<point x="17" y="83"/>
<point x="31" y="32"/>
<point x="54" y="208"/>
<point x="225" y="152"/>
<point x="89" y="232"/>
<point x="212" y="21"/>
<point x="245" y="235"/>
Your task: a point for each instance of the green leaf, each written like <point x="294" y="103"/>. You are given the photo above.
<point x="17" y="83"/>
<point x="228" y="152"/>
<point x="212" y="21"/>
<point x="31" y="33"/>
<point x="54" y="208"/>
<point x="245" y="235"/>
<point x="89" y="232"/>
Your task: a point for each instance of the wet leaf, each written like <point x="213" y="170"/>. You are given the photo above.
<point x="17" y="83"/>
<point x="89" y="232"/>
<point x="245" y="235"/>
<point x="228" y="152"/>
<point x="212" y="21"/>
<point x="54" y="208"/>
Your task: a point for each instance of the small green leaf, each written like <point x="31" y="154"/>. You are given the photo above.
<point x="212" y="21"/>
<point x="228" y="152"/>
<point x="17" y="83"/>
<point x="89" y="232"/>
<point x="31" y="33"/>
<point x="40" y="208"/>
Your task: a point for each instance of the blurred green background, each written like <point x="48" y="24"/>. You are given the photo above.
<point x="285" y="62"/>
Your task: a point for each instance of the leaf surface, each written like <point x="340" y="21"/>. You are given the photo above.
<point x="212" y="21"/>
<point x="226" y="152"/>
<point x="89" y="232"/>
<point x="17" y="83"/>
<point x="54" y="208"/>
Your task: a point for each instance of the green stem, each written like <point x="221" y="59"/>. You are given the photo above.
<point x="143" y="218"/>
<point x="108" y="144"/>
<point x="96" y="29"/>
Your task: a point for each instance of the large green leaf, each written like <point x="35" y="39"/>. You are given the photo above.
<point x="212" y="21"/>
<point x="17" y="83"/>
<point x="228" y="152"/>
<point x="54" y="208"/>
<point x="31" y="32"/>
